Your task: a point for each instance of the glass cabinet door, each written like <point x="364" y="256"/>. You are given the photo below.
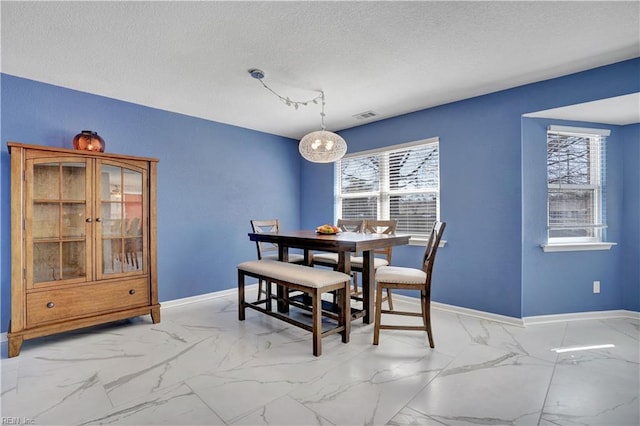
<point x="59" y="217"/>
<point x="122" y="215"/>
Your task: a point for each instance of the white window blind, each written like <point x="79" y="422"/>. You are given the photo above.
<point x="576" y="182"/>
<point x="400" y="182"/>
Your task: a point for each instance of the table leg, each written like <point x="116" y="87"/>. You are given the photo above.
<point x="344" y="262"/>
<point x="368" y="286"/>
<point x="344" y="265"/>
<point x="283" y="294"/>
<point x="283" y="253"/>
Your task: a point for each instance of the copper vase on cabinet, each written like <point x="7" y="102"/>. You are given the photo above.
<point x="88" y="140"/>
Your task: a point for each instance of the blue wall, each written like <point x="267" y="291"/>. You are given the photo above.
<point x="630" y="243"/>
<point x="563" y="281"/>
<point x="490" y="260"/>
<point x="212" y="178"/>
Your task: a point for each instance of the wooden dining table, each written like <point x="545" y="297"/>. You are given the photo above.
<point x="343" y="243"/>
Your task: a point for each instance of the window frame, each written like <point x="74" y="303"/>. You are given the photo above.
<point x="384" y="194"/>
<point x="596" y="184"/>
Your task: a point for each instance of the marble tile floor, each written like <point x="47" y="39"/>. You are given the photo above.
<point x="201" y="366"/>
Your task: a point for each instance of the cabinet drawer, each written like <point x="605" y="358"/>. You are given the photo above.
<point x="87" y="300"/>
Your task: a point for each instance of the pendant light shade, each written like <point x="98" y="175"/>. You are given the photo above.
<point x="322" y="146"/>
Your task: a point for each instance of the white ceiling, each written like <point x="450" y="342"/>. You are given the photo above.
<point x="388" y="57"/>
<point x="619" y="110"/>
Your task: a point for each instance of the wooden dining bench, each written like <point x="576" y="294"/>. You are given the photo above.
<point x="311" y="281"/>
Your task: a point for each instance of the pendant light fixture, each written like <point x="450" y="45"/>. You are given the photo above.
<point x="320" y="146"/>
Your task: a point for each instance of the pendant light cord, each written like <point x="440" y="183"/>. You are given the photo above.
<point x="259" y="75"/>
<point x="322" y="112"/>
<point x="320" y="146"/>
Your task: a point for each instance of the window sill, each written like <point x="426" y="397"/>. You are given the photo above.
<point x="422" y="241"/>
<point x="547" y="248"/>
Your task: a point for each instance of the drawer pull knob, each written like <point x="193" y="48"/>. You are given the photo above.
<point x="50" y="305"/>
<point x="89" y="220"/>
<point x="98" y="219"/>
<point x="132" y="291"/>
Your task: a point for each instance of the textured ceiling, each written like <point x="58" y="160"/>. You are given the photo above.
<point x="387" y="57"/>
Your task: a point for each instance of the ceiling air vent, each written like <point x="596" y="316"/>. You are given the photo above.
<point x="365" y="115"/>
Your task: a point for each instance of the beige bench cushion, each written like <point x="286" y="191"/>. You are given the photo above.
<point x="296" y="274"/>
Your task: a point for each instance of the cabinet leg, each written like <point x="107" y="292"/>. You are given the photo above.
<point x="155" y="315"/>
<point x="15" y="344"/>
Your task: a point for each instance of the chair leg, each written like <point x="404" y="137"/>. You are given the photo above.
<point x="378" y="314"/>
<point x="316" y="315"/>
<point x="240" y="296"/>
<point x="345" y="314"/>
<point x="426" y="316"/>
<point x="389" y="300"/>
<point x="267" y="285"/>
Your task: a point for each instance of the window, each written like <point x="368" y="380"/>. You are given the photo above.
<point x="576" y="190"/>
<point x="399" y="182"/>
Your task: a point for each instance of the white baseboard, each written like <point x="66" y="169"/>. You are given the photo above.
<point x="538" y="319"/>
<point x="180" y="302"/>
<point x="521" y="322"/>
<point x="435" y="305"/>
<point x="477" y="314"/>
<point x="578" y="316"/>
<point x="201" y="297"/>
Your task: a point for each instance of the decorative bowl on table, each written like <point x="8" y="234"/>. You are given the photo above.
<point x="327" y="229"/>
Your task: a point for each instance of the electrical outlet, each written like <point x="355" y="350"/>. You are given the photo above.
<point x="596" y="286"/>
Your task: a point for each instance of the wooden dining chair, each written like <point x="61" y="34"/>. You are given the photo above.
<point x="396" y="277"/>
<point x="330" y="260"/>
<point x="382" y="256"/>
<point x="345" y="225"/>
<point x="270" y="250"/>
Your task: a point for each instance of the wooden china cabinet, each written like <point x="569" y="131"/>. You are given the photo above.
<point x="83" y="240"/>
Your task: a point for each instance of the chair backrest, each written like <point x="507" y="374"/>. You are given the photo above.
<point x="258" y="226"/>
<point x="351" y="225"/>
<point x="432" y="248"/>
<point x="375" y="226"/>
<point x="381" y="226"/>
